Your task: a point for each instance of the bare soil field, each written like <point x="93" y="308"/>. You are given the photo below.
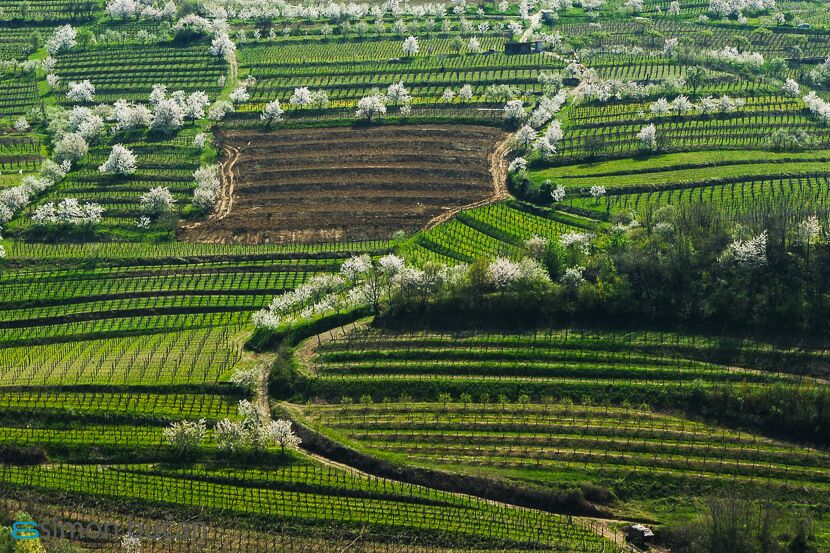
<point x="352" y="183"/>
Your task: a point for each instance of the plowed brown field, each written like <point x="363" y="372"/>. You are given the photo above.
<point x="311" y="185"/>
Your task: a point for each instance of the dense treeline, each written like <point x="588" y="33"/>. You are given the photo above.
<point x="689" y="266"/>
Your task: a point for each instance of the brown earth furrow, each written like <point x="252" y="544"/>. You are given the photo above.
<point x="347" y="183"/>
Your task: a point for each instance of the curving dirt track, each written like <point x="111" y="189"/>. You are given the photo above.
<point x="311" y="185"/>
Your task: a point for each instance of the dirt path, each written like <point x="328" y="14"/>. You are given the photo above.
<point x="305" y="351"/>
<point x="498" y="172"/>
<point x="533" y="22"/>
<point x="227" y="187"/>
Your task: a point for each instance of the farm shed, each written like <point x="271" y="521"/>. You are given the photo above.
<point x="531" y="47"/>
<point x="639" y="534"/>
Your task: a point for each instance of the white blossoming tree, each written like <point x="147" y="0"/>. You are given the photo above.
<point x="185" y="437"/>
<point x="63" y="38"/>
<point x="83" y="91"/>
<point x="272" y="113"/>
<point x="370" y="107"/>
<point x="411" y="46"/>
<point x="647" y="138"/>
<point x="121" y="161"/>
<point x="157" y="201"/>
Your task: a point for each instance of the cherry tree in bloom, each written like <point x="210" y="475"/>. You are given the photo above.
<point x="747" y="254"/>
<point x="817" y="106"/>
<point x="502" y="273"/>
<point x="579" y="241"/>
<point x="517" y="165"/>
<point x="514" y="111"/>
<point x="231" y="436"/>
<point x="200" y="140"/>
<point x="370" y="107"/>
<point x="240" y="94"/>
<point x="302" y="97"/>
<point x="573" y="278"/>
<point x="122" y="9"/>
<point x="222" y="46"/>
<point x="448" y="95"/>
<point x="63" y="38"/>
<point x="121" y="161"/>
<point x="808" y="231"/>
<point x="185" y="437"/>
<point x="272" y="113"/>
<point x="130" y="116"/>
<point x="21" y="124"/>
<point x="681" y="105"/>
<point x="558" y="193"/>
<point x="597" y="191"/>
<point x="473" y="45"/>
<point x="398" y="94"/>
<point x="196" y="104"/>
<point x="410" y="46"/>
<point x="648" y="137"/>
<point x="207" y="187"/>
<point x="168" y="116"/>
<point x="674" y="8"/>
<point x="53" y="80"/>
<point x="157" y="201"/>
<point x="791" y="88"/>
<point x="524" y="137"/>
<point x="86" y="122"/>
<point x="281" y="433"/>
<point x="660" y="107"/>
<point x="68" y="212"/>
<point x="83" y="91"/>
<point x="70" y="148"/>
<point x="219" y="110"/>
<point x="465" y="93"/>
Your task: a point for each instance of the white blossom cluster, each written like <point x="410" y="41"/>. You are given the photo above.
<point x="255" y="429"/>
<point x="145" y="9"/>
<point x="63" y="38"/>
<point x="68" y="211"/>
<point x="791" y="88"/>
<point x="83" y="91"/>
<point x="207" y="187"/>
<point x="580" y="241"/>
<point x="820" y="75"/>
<point x="506" y="274"/>
<point x="335" y="11"/>
<point x="514" y="111"/>
<point x="16" y="198"/>
<point x="736" y="8"/>
<point x="732" y="56"/>
<point x="546" y="108"/>
<point x="817" y="106"/>
<point x="615" y="89"/>
<point x="170" y="110"/>
<point x="321" y="294"/>
<point x="518" y="165"/>
<point x="121" y="161"/>
<point x="157" y="201"/>
<point x="546" y="145"/>
<point x="185" y="436"/>
<point x="370" y="107"/>
<point x="747" y="254"/>
<point x="647" y="137"/>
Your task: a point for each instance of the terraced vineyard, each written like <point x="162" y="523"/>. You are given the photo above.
<point x="415" y="277"/>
